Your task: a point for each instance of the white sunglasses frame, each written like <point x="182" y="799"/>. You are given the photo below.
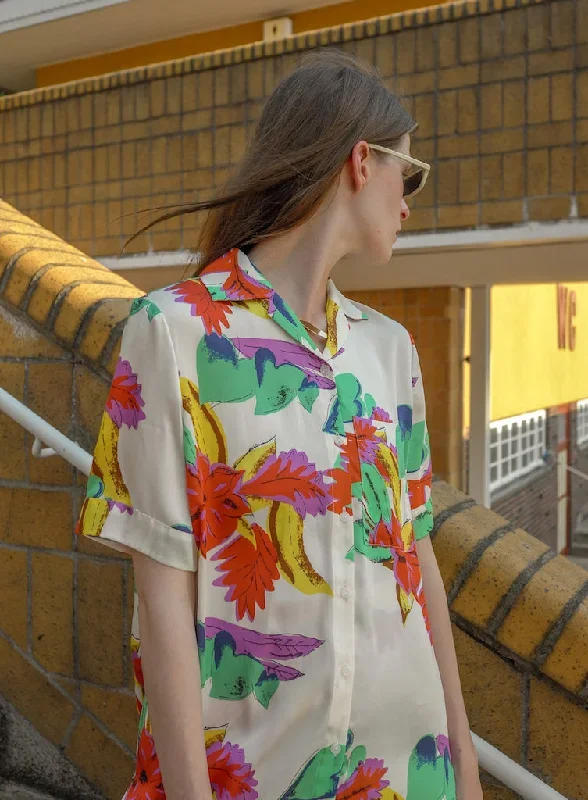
<point x="426" y="168"/>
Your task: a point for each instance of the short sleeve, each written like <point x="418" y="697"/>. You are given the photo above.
<point x="136" y="495"/>
<point x="418" y="463"/>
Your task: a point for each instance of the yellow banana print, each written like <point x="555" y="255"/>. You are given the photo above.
<point x="251" y="463"/>
<point x="293" y="562"/>
<point x="210" y="437"/>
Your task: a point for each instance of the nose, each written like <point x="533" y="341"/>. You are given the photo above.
<point x="404" y="211"/>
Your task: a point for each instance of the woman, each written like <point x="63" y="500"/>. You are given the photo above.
<point x="264" y="458"/>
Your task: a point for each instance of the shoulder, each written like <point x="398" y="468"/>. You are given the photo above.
<point x="385" y="326"/>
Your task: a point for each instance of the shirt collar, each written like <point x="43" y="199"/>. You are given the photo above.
<point x="234" y="278"/>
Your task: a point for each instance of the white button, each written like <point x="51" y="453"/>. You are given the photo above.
<point x="347" y="518"/>
<point x="345" y="593"/>
<point x="326" y="371"/>
<point x="335" y="749"/>
<point x="346" y="670"/>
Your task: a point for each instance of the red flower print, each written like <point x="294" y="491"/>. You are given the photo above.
<point x="231" y="778"/>
<point x="417" y="489"/>
<point x="124" y="402"/>
<point x="387" y="534"/>
<point x="212" y="312"/>
<point x="339" y="490"/>
<point x="407" y="570"/>
<point x="146" y="783"/>
<point x="250" y="571"/>
<point x="367" y="441"/>
<point x="238" y="284"/>
<point x="366" y="783"/>
<point x="291" y="478"/>
<point x="215" y="500"/>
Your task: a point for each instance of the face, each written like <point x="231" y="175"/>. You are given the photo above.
<point x="377" y="205"/>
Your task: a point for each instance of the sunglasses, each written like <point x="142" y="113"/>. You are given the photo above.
<point x="415" y="181"/>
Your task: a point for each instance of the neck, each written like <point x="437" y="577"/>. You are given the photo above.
<point x="299" y="264"/>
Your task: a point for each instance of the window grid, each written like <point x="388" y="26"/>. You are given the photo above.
<point x="582" y="421"/>
<point x="517" y="445"/>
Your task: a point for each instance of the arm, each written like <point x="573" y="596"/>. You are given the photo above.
<point x="462" y="747"/>
<point x="167" y="599"/>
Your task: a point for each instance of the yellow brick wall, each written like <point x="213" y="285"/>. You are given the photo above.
<point x="520" y="613"/>
<point x="500" y="92"/>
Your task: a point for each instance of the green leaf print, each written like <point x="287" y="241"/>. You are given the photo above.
<point x="234" y="677"/>
<point x="205" y="655"/>
<point x="375" y="494"/>
<point x="430" y="774"/>
<point x="308" y="396"/>
<point x="265" y="688"/>
<point x="223" y="377"/>
<point x="278" y="387"/>
<point x="364" y="548"/>
<point x="370" y="404"/>
<point x="349" y="394"/>
<point x="417" y="447"/>
<point x="358" y="755"/>
<point x="318" y="778"/>
<point x="144" y="302"/>
<point x="189" y="447"/>
<point x="94" y="486"/>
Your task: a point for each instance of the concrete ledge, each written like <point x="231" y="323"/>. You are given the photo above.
<point x="72" y="299"/>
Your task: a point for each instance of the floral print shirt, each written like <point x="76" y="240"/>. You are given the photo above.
<point x="293" y="480"/>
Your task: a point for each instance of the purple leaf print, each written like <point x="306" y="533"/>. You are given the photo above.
<point x="443" y="745"/>
<point x="262" y="646"/>
<point x="290" y="353"/>
<point x="124" y="404"/>
<point x="122" y="507"/>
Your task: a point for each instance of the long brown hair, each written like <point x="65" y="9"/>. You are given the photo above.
<point x="306" y="132"/>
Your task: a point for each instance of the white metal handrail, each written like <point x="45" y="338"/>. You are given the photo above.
<point x="576" y="472"/>
<point x="507" y="771"/>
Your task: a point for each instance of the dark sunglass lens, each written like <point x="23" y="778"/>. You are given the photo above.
<point x="412" y="183"/>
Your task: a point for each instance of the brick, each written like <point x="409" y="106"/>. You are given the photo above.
<point x="255" y="79"/>
<point x="21" y="340"/>
<point x="503" y="141"/>
<point x="513" y="175"/>
<point x="426" y="48"/>
<point x="582" y="130"/>
<point x="582" y="93"/>
<point x="100" y="622"/>
<point x="12" y="452"/>
<point x="491" y="186"/>
<point x="561" y="97"/>
<point x="548" y="134"/>
<point x="116" y="710"/>
<point x="52" y="611"/>
<point x="237" y="143"/>
<point x="552" y="718"/>
<point x="581" y="169"/>
<point x="50" y="393"/>
<point x="515" y="32"/>
<point x="469" y="177"/>
<point x="447" y="117"/>
<point x="491" y="28"/>
<point x="205" y="89"/>
<point x="491" y="105"/>
<point x="36" y="518"/>
<point x="561" y="170"/>
<point x="447" y="175"/>
<point x="405" y="52"/>
<point x="551" y="62"/>
<point x="567" y="663"/>
<point x="539" y="605"/>
<point x="549" y="208"/>
<point x="562" y="24"/>
<point x="238" y="84"/>
<point x="538" y="172"/>
<point x="538" y="100"/>
<point x="538" y="28"/>
<point x="32" y="694"/>
<point x="205" y="149"/>
<point x="457" y="216"/>
<point x="502" y="213"/>
<point x="456" y="146"/>
<point x="467" y="117"/>
<point x="90" y="749"/>
<point x="485" y="674"/>
<point x="173" y="99"/>
<point x="417" y="83"/>
<point x="469" y="40"/>
<point x="421" y="219"/>
<point x="13" y="589"/>
<point x="455" y="77"/>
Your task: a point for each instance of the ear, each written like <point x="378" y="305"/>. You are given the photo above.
<point x="359" y="164"/>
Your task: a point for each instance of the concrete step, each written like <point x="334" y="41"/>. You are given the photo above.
<point x="16" y="791"/>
